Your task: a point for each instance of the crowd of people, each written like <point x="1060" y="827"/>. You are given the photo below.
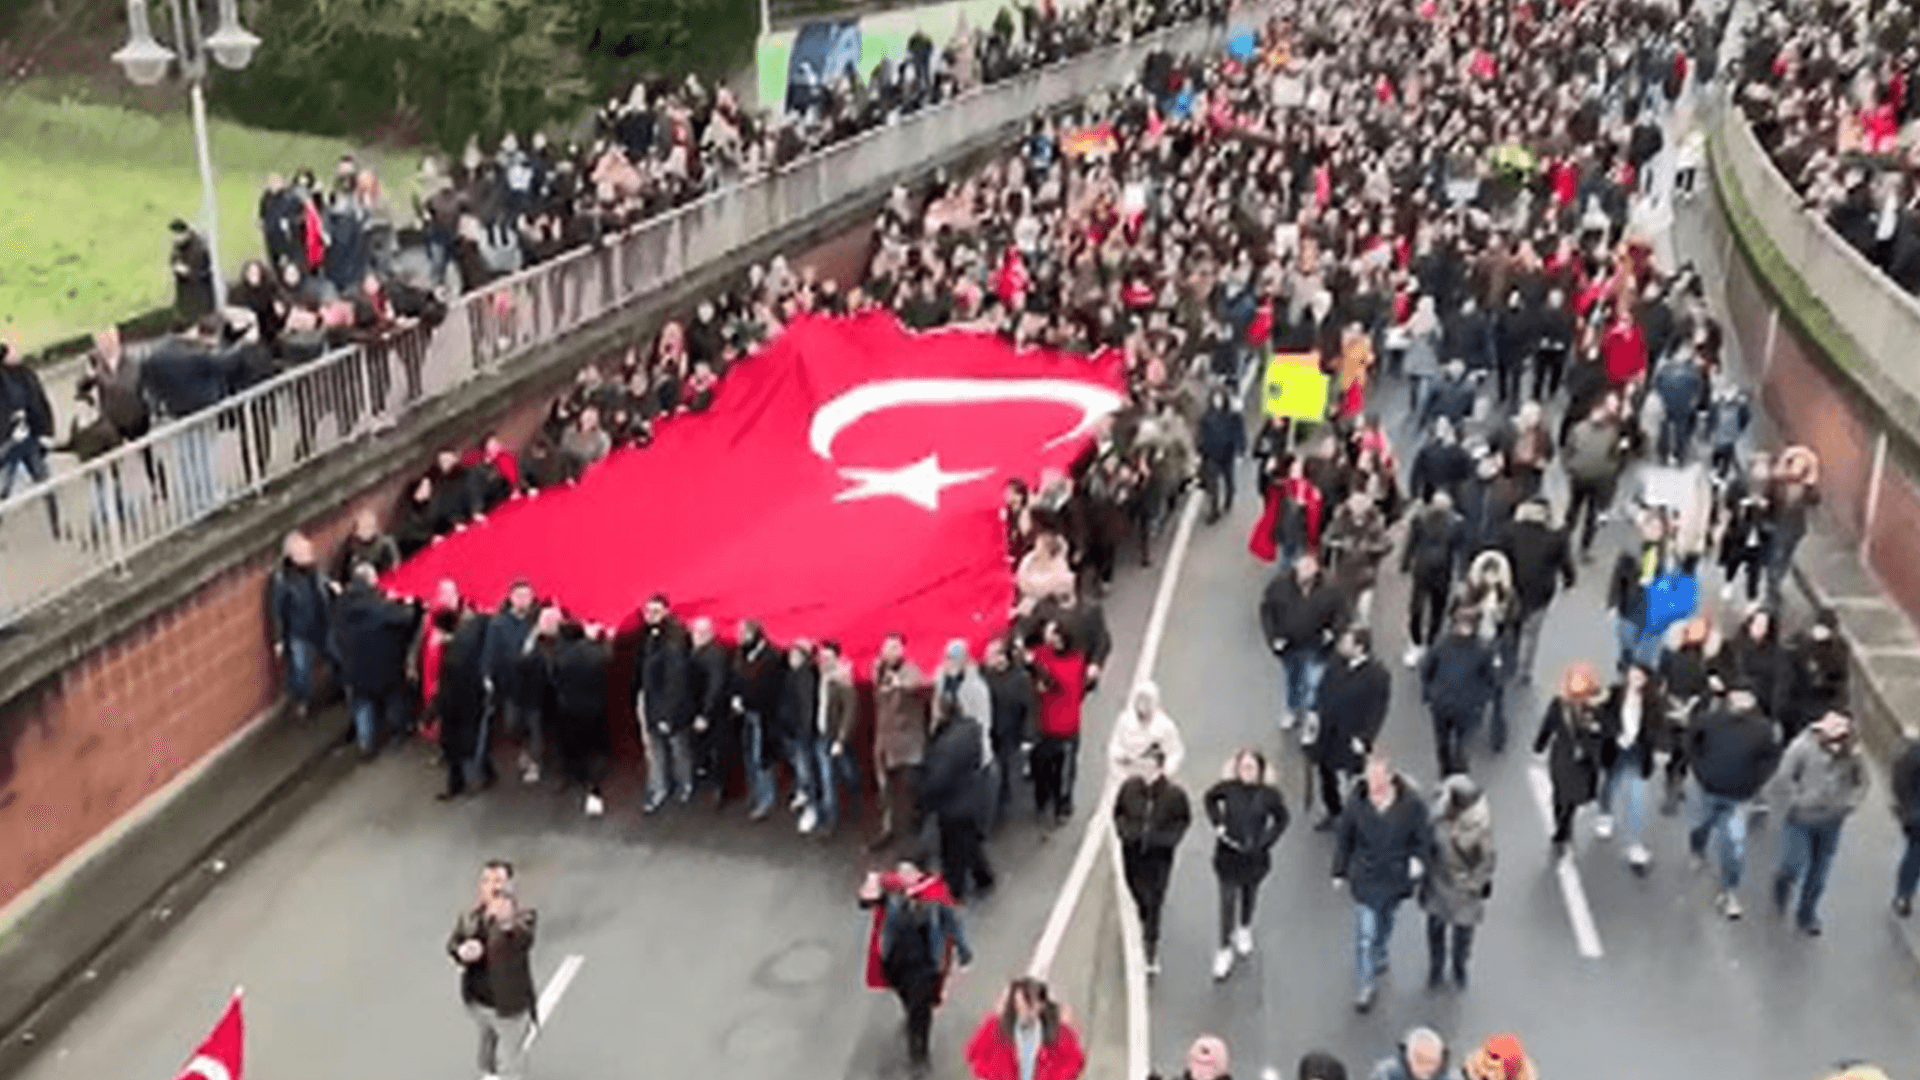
<point x="1828" y="88"/>
<point x="1448" y="211"/>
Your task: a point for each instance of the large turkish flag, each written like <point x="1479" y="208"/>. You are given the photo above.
<point x="846" y="483"/>
<point x="223" y="1055"/>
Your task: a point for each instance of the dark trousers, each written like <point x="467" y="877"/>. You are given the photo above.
<point x="899" y="809"/>
<point x="1906" y="876"/>
<point x="1330" y="789"/>
<point x="1438" y="930"/>
<point x="1585" y="503"/>
<point x="1511" y="376"/>
<point x="963" y="862"/>
<point x="1217" y="476"/>
<point x="1148" y="870"/>
<point x="1053" y="768"/>
<point x="1563" y="820"/>
<point x="1450" y="730"/>
<point x="1236" y="906"/>
<point x="1548" y="366"/>
<point x="1426" y="610"/>
<point x="918" y="998"/>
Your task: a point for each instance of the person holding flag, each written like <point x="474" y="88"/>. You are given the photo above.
<point x="911" y="946"/>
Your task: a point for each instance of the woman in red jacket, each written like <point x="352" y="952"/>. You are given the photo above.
<point x="1060" y="676"/>
<point x="1026" y="1026"/>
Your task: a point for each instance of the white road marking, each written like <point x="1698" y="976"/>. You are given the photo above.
<point x="1586" y="934"/>
<point x="550" y="997"/>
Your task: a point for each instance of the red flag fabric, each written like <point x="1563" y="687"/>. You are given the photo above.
<point x="223" y="1055"/>
<point x="846" y="484"/>
<point x="1010" y="282"/>
<point x="931" y="888"/>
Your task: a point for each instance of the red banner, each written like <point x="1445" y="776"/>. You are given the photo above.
<point x="223" y="1055"/>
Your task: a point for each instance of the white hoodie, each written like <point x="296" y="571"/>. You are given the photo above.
<point x="1132" y="738"/>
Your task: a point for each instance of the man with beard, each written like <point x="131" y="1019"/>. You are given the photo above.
<point x="663" y="705"/>
<point x="759" y="679"/>
<point x="1014" y="712"/>
<point x="901" y="704"/>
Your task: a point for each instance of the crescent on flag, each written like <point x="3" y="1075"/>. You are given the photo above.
<point x="205" y="1068"/>
<point x="866" y="399"/>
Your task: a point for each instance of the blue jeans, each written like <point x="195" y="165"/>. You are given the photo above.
<point x="1727" y="816"/>
<point x="669" y="764"/>
<point x="28" y="456"/>
<point x="302" y="656"/>
<point x="1634" y="645"/>
<point x="1906" y="877"/>
<point x="831" y="772"/>
<point x="523" y="719"/>
<point x="1626" y="776"/>
<point x="376" y="715"/>
<point x="1303" y="666"/>
<point x="1806" y="859"/>
<point x="193" y="455"/>
<point x="760" y="785"/>
<point x="1373" y="931"/>
<point x="800" y="759"/>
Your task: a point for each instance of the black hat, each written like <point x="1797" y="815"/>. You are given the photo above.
<point x="177" y="225"/>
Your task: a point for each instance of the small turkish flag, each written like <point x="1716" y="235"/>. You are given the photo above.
<point x="221" y="1056"/>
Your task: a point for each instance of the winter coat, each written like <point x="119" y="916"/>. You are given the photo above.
<point x="799" y="705"/>
<point x="1571" y="737"/>
<point x="709" y="681"/>
<point x="1440" y="466"/>
<point x="370" y="636"/>
<point x="1355" y="545"/>
<point x="298" y="605"/>
<point x="1460" y="867"/>
<point x="502" y="979"/>
<point x="1732" y="754"/>
<point x="381" y="553"/>
<point x="459" y="695"/>
<point x="1151" y="817"/>
<point x="1300" y="619"/>
<point x="1247" y="819"/>
<point x="1222" y="437"/>
<point x="839" y="711"/>
<point x="992" y="1055"/>
<point x="1451" y="400"/>
<point x="1822" y="784"/>
<point x="1014" y="709"/>
<point x="1656" y="731"/>
<point x="756" y="680"/>
<point x="950" y="770"/>
<point x="1352" y="704"/>
<point x="1291" y="516"/>
<point x="1758" y="666"/>
<point x="901" y="699"/>
<point x="1060" y="685"/>
<point x="927" y="914"/>
<point x="1458" y="676"/>
<point x="1373" y="847"/>
<point x="660" y="677"/>
<point x="1537" y="553"/>
<point x="23" y="404"/>
<point x="1593" y="452"/>
<point x="970" y="696"/>
<point x="1816" y="677"/>
<point x="576" y="675"/>
<point x="1436" y="542"/>
<point x="506" y="644"/>
<point x="1132" y="739"/>
<point x="1906" y="788"/>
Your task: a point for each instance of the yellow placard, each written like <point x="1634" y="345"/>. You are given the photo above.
<point x="1294" y="387"/>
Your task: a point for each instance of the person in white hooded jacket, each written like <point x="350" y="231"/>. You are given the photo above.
<point x="1142" y="725"/>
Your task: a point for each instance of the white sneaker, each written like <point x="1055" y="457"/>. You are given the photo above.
<point x="1222" y="963"/>
<point x="1727" y="593"/>
<point x="1638" y="856"/>
<point x="1412" y="656"/>
<point x="1287" y="719"/>
<point x="1603" y="826"/>
<point x="1243" y="940"/>
<point x="808" y="820"/>
<point x="1153" y="967"/>
<point x="1730" y="906"/>
<point x="799" y="800"/>
<point x="595" y="807"/>
<point x="530" y="773"/>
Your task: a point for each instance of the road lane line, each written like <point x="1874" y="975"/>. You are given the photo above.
<point x="1586" y="933"/>
<point x="550" y="997"/>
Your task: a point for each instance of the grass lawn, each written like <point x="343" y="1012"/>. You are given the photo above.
<point x="89" y="190"/>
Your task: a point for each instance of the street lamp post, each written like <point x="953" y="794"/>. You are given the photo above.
<point x="146" y="61"/>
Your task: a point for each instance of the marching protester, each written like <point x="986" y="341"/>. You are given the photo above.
<point x="796" y="731"/>
<point x="571" y="663"/>
<point x="1222" y="440"/>
<point x="1014" y="712"/>
<point x="954" y="789"/>
<point x="1542" y="563"/>
<point x="1686" y="684"/>
<point x="1634" y="721"/>
<point x="1299" y="612"/>
<point x="1320" y="1065"/>
<point x="1458" y="678"/>
<point x="509" y="700"/>
<point x="460" y="701"/>
<point x="836" y="773"/>
<point x="1825" y="776"/>
<point x="1436" y="543"/>
<point x="1819" y="667"/>
<point x="1422" y="1055"/>
<point x="492" y="942"/>
<point x="758" y="682"/>
<point x="370" y="636"/>
<point x="1026" y="1036"/>
<point x="1144" y="727"/>
<point x="299" y="605"/>
<point x="1501" y="1057"/>
<point x="1207" y="1059"/>
<point x="1249" y="815"/>
<point x="663" y="705"/>
<point x="1459" y="880"/>
<point x="901" y="714"/>
<point x="1382" y="835"/>
<point x="911" y="946"/>
<point x="1150" y="815"/>
<point x="1572" y="736"/>
<point x="1732" y="754"/>
<point x="1060" y="680"/>
<point x="1906" y="810"/>
<point x="1353" y="699"/>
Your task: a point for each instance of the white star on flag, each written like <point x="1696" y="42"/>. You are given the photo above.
<point x="919" y="483"/>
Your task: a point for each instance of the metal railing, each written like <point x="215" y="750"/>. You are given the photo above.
<point x="99" y="516"/>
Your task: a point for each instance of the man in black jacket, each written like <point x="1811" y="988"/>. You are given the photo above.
<point x="1299" y="613"/>
<point x="29" y="427"/>
<point x="1222" y="440"/>
<point x="1817" y="674"/>
<point x="1732" y="751"/>
<point x="1441" y="464"/>
<point x="460" y="701"/>
<point x="570" y="661"/>
<point x="509" y="700"/>
<point x="954" y="794"/>
<point x="1436" y="544"/>
<point x="663" y="705"/>
<point x="1352" y="703"/>
<point x="1457" y="679"/>
<point x="759" y="679"/>
<point x="298" y="602"/>
<point x="1015" y="721"/>
<point x="370" y="637"/>
<point x="710" y="703"/>
<point x="1382" y="837"/>
<point x="1541" y="561"/>
<point x="1906" y="806"/>
<point x="1150" y="814"/>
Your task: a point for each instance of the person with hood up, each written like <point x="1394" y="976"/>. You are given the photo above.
<point x="911" y="945"/>
<point x="1150" y="815"/>
<point x="299" y="605"/>
<point x="1542" y="564"/>
<point x="1352" y="702"/>
<point x="1027" y="1036"/>
<point x="1222" y="439"/>
<point x="1207" y="1059"/>
<point x="1299" y="611"/>
<point x="1825" y="777"/>
<point x="1488" y="595"/>
<point x="1732" y="752"/>
<point x="1436" y="543"/>
<point x="1571" y="736"/>
<point x="1249" y="815"/>
<point x="1143" y="725"/>
<point x="1383" y="833"/>
<point x="953" y="791"/>
<point x="1460" y="881"/>
<point x="1457" y="679"/>
<point x="370" y="636"/>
